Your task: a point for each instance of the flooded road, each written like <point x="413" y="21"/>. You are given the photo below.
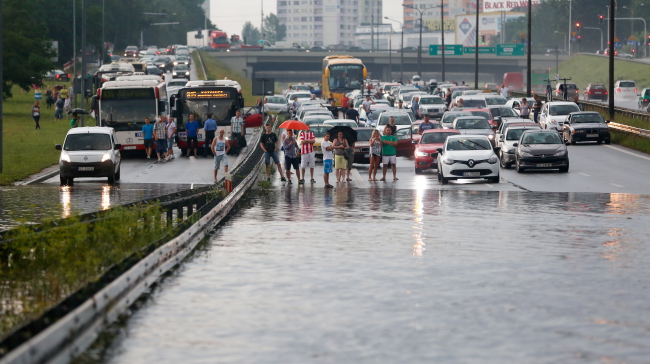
<point x="385" y="275"/>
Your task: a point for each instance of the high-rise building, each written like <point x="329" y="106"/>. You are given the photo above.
<point x="326" y="22"/>
<point x="431" y="10"/>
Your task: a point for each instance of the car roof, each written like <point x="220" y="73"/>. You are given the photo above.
<point x="477" y="109"/>
<point x="549" y="131"/>
<point x="469" y="117"/>
<point x="560" y="103"/>
<point x="91" y="130"/>
<point x="338" y="121"/>
<point x="529" y="126"/>
<point x="468" y="135"/>
<point x="429" y="131"/>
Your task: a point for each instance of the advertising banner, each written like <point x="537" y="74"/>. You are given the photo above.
<point x="506" y="5"/>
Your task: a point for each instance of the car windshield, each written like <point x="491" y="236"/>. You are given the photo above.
<point x="276" y="100"/>
<point x="177" y="83"/>
<point x="571" y="86"/>
<point x="474" y="103"/>
<point x="496" y="100"/>
<point x="514" y="134"/>
<point x="627" y="84"/>
<point x="431" y="101"/>
<point x="345" y="77"/>
<point x="364" y="134"/>
<point x="450" y="117"/>
<point x="127" y="114"/>
<point x="300" y="95"/>
<point x="87" y="142"/>
<point x="484" y="114"/>
<point x="507" y="112"/>
<point x="374" y="114"/>
<point x="563" y="109"/>
<point x="316" y="119"/>
<point x="301" y="87"/>
<point x="342" y="123"/>
<point x="319" y="131"/>
<point x="181" y="67"/>
<point x="161" y="59"/>
<point x="435" y="138"/>
<point x="587" y="118"/>
<point x="471" y="124"/>
<point x="541" y="138"/>
<point x="182" y="58"/>
<point x="468" y="144"/>
<point x="400" y="119"/>
<point x="456" y="94"/>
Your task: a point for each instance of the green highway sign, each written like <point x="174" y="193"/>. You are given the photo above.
<point x="481" y="50"/>
<point x="510" y="49"/>
<point x="450" y="50"/>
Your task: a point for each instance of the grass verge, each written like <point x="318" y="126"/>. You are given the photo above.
<point x="631" y="141"/>
<point x="585" y="69"/>
<point x="217" y="70"/>
<point x="197" y="64"/>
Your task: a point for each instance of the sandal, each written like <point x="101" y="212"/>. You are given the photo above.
<point x="383" y="179"/>
<point x="349" y="180"/>
<point x="329" y="186"/>
<point x="395" y="179"/>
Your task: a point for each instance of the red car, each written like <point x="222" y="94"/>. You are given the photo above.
<point x="484" y="113"/>
<point x="426" y="155"/>
<point x="415" y="128"/>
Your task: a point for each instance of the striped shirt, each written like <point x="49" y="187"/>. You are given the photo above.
<point x="306" y="148"/>
<point x="236" y="123"/>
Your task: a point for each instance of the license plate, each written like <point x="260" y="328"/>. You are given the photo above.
<point x="544" y="165"/>
<point x="129" y="147"/>
<point x="592" y="135"/>
<point x="471" y="174"/>
<point x="598" y="93"/>
<point x="86" y="168"/>
<point x="139" y="135"/>
<point x="366" y="155"/>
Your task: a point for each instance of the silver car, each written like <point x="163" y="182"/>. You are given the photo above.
<point x="474" y="125"/>
<point x="431" y="105"/>
<point x="506" y="140"/>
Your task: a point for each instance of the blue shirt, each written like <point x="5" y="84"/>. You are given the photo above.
<point x="148" y="131"/>
<point x="425" y="126"/>
<point x="210" y="125"/>
<point x="191" y="128"/>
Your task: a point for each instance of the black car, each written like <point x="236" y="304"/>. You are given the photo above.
<point x="585" y="126"/>
<point x="355" y="49"/>
<point x="58" y="75"/>
<point x="318" y="49"/>
<point x="164" y="63"/>
<point x="181" y="71"/>
<point x="153" y="70"/>
<point x="541" y="149"/>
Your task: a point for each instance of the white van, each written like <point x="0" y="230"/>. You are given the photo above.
<point x="89" y="152"/>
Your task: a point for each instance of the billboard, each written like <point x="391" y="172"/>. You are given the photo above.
<point x="434" y="25"/>
<point x="506" y="5"/>
<point x="490" y="25"/>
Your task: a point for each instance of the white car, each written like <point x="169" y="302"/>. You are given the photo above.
<point x="467" y="156"/>
<point x="449" y="117"/>
<point x="554" y="114"/>
<point x="474" y="125"/>
<point x="402" y="120"/>
<point x="340" y="122"/>
<point x="625" y="91"/>
<point x="276" y="103"/>
<point x="89" y="152"/>
<point x="174" y="85"/>
<point x="432" y="105"/>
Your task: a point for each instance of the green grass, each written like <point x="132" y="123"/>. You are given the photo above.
<point x="26" y="150"/>
<point x="197" y="65"/>
<point x="586" y="69"/>
<point x="217" y="70"/>
<point x="631" y="141"/>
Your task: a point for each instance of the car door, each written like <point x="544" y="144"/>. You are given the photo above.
<point x="405" y="146"/>
<point x="543" y="115"/>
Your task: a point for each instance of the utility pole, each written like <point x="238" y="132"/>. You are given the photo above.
<point x="570" y="25"/>
<point x="74" y="47"/>
<point x="101" y="62"/>
<point x="528" y="58"/>
<point x="1" y="95"/>
<point x="83" y="58"/>
<point x="372" y="32"/>
<point x="476" y="53"/>
<point x="612" y="28"/>
<point x="262" y="21"/>
<point x="442" y="32"/>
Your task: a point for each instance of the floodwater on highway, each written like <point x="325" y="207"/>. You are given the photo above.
<point x="384" y="275"/>
<point x="33" y="203"/>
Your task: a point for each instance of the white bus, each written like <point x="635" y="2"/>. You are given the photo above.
<point x="124" y="104"/>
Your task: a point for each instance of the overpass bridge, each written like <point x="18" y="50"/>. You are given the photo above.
<point x="289" y="66"/>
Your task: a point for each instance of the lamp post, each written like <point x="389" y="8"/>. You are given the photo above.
<point x="601" y="34"/>
<point x="476" y="50"/>
<point x="420" y="47"/>
<point x="74" y="48"/>
<point x="612" y="25"/>
<point x="570" y="24"/>
<point x="401" y="69"/>
<point x="442" y="36"/>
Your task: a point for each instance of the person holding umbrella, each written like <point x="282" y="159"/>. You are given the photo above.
<point x="290" y="155"/>
<point x="340" y="161"/>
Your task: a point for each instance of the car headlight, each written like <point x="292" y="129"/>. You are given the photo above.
<point x="106" y="157"/>
<point x="447" y="160"/>
<point x="579" y="131"/>
<point x="423" y="109"/>
<point x="491" y="136"/>
<point x="421" y="154"/>
<point x="560" y="153"/>
<point x="124" y="54"/>
<point x="526" y="154"/>
<point x="161" y="65"/>
<point x="174" y="73"/>
<point x="493" y="159"/>
<point x="175" y="63"/>
<point x="65" y="157"/>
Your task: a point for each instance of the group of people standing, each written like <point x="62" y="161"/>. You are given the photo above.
<point x="59" y="97"/>
<point x="162" y="132"/>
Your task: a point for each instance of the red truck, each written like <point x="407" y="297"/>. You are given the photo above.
<point x="514" y="81"/>
<point x="219" y="40"/>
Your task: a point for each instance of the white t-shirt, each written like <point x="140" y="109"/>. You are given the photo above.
<point x="170" y="129"/>
<point x="265" y="108"/>
<point x="366" y="105"/>
<point x="504" y="92"/>
<point x="327" y="154"/>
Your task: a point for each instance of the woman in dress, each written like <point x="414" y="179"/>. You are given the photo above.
<point x="375" y="155"/>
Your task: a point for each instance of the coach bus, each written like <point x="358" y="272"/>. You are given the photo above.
<point x="125" y="103"/>
<point x="341" y="75"/>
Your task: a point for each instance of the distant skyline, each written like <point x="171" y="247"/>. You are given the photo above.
<point x="232" y="18"/>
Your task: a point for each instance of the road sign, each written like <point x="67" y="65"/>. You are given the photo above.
<point x="450" y="50"/>
<point x="618" y="44"/>
<point x="510" y="50"/>
<point x="481" y="50"/>
<point x="631" y="42"/>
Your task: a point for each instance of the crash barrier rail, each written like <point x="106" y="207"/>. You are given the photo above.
<point x="205" y="74"/>
<point x="68" y="329"/>
<point x="630" y="129"/>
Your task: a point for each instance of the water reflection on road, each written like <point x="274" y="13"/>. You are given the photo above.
<point x="382" y="275"/>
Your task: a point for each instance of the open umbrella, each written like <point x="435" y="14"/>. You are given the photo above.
<point x="348" y="133"/>
<point x="294" y="125"/>
<point x="78" y="111"/>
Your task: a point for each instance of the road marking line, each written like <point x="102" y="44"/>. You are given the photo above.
<point x="614" y="184"/>
<point x="489" y="185"/>
<point x="584" y="174"/>
<point x="357" y="178"/>
<point x="628" y="152"/>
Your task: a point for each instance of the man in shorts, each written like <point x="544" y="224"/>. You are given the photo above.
<point x="291" y="158"/>
<point x="328" y="159"/>
<point x="160" y="135"/>
<point x="220" y="147"/>
<point x="308" y="157"/>
<point x="147" y="130"/>
<point x="192" y="128"/>
<point x="269" y="144"/>
<point x="389" y="153"/>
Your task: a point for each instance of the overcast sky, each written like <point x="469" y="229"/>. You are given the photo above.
<point x="230" y="15"/>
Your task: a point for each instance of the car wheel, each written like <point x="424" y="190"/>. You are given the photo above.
<point x="418" y="171"/>
<point x="599" y="141"/>
<point x="502" y="162"/>
<point x="111" y="179"/>
<point x="70" y="181"/>
<point x="608" y="141"/>
<point x="565" y="169"/>
<point x="518" y="167"/>
<point x="63" y="180"/>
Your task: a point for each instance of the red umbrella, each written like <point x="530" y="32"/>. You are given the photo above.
<point x="294" y="125"/>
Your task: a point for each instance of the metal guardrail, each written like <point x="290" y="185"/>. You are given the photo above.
<point x="66" y="330"/>
<point x="630" y="129"/>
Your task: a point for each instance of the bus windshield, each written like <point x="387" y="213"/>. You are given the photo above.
<point x="220" y="110"/>
<point x="127" y="114"/>
<point x="345" y="77"/>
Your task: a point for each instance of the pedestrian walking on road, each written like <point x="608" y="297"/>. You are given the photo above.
<point x="58" y="110"/>
<point x="349" y="151"/>
<point x="291" y="158"/>
<point x="352" y="114"/>
<point x="64" y="93"/>
<point x="210" y="127"/>
<point x="192" y="128"/>
<point x="236" y="129"/>
<point x="537" y="107"/>
<point x="269" y="144"/>
<point x="415" y="107"/>
<point x="504" y="91"/>
<point x="171" y="135"/>
<point x="265" y="108"/>
<point x="345" y="104"/>
<point x="426" y="125"/>
<point x="160" y="136"/>
<point x="147" y="130"/>
<point x="36" y="114"/>
<point x="391" y="125"/>
<point x="366" y="104"/>
<point x="400" y="105"/>
<point x="375" y="155"/>
<point x="339" y="145"/>
<point x="220" y="147"/>
<point x="258" y="105"/>
<point x="307" y="155"/>
<point x="328" y="159"/>
<point x="332" y="108"/>
<point x="448" y="98"/>
<point x="389" y="153"/>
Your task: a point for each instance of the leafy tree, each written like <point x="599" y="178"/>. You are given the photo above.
<point x="27" y="53"/>
<point x="250" y="33"/>
<point x="273" y="30"/>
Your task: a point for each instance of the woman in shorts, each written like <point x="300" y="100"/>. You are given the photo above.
<point x="340" y="162"/>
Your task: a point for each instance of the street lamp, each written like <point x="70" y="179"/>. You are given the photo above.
<point x="401" y="69"/>
<point x="570" y="24"/>
<point x="420" y="47"/>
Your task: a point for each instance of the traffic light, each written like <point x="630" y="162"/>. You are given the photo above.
<point x="600" y="19"/>
<point x="483" y="38"/>
<point x="578" y="27"/>
<point x="579" y="37"/>
<point x="649" y="40"/>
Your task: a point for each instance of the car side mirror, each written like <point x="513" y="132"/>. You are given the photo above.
<point x="567" y="143"/>
<point x="414" y="141"/>
<point x="58" y="147"/>
<point x="439" y="150"/>
<point x="515" y="144"/>
<point x="117" y="146"/>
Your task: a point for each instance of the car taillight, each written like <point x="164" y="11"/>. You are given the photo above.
<point x="58" y="76"/>
<point x="605" y="92"/>
<point x="68" y="75"/>
<point x="618" y="90"/>
<point x="634" y="90"/>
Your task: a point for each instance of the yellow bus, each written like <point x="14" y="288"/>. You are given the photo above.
<point x="342" y="74"/>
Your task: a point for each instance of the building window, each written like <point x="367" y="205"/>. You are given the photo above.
<point x="297" y="2"/>
<point x="304" y="18"/>
<point x="296" y="27"/>
<point x="318" y="18"/>
<point x="318" y="2"/>
<point x="282" y="11"/>
<point x="318" y="11"/>
<point x="304" y="35"/>
<point x="303" y="27"/>
<point x="304" y="2"/>
<point x="318" y="26"/>
<point x="282" y="3"/>
<point x="296" y="18"/>
<point x="282" y="19"/>
<point x="297" y="35"/>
